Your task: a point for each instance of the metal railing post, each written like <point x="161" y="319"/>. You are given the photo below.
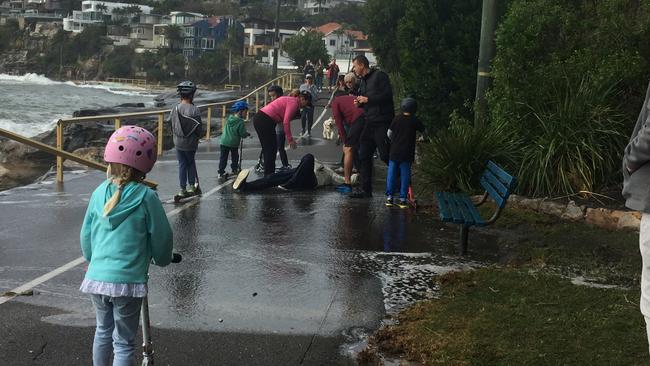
<point x="223" y="117"/>
<point x="118" y="123"/>
<point x="266" y="96"/>
<point x="207" y="127"/>
<point x="59" y="147"/>
<point x="257" y="101"/>
<point x="161" y="121"/>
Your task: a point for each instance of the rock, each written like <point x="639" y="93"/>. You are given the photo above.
<point x="530" y="203"/>
<point x="629" y="221"/>
<point x="601" y="217"/>
<point x="574" y="212"/>
<point x="552" y="208"/>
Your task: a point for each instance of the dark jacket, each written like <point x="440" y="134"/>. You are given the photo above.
<point x="186" y="126"/>
<point x="376" y="86"/>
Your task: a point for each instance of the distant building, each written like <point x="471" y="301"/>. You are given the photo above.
<point x="313" y="7"/>
<point x="258" y="40"/>
<point x="181" y="19"/>
<point x="97" y="12"/>
<point x="344" y="44"/>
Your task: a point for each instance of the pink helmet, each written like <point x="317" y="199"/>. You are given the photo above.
<point x="133" y="146"/>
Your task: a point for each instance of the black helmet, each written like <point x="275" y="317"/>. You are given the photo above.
<point x="277" y="89"/>
<point x="306" y="94"/>
<point x="186" y="88"/>
<point x="409" y="105"/>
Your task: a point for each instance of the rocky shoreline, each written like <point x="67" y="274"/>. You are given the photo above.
<point x="21" y="164"/>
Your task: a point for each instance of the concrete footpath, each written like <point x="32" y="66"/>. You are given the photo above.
<point x="269" y="278"/>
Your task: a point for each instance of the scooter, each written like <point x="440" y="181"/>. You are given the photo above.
<point x="147" y="344"/>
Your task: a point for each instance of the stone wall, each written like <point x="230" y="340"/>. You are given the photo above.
<point x="601" y="217"/>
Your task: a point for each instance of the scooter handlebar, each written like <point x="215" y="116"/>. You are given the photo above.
<point x="176" y="258"/>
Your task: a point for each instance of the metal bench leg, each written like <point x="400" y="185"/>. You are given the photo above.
<point x="464" y="236"/>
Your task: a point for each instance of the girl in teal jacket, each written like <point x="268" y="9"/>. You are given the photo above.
<point x="124" y="229"/>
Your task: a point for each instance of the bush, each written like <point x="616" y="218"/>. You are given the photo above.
<point x="309" y="46"/>
<point x="568" y="75"/>
<point x="119" y="62"/>
<point x="456" y="156"/>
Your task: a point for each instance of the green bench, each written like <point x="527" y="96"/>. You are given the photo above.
<point x="458" y="208"/>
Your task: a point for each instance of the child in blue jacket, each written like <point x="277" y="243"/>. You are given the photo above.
<point x="124" y="228"/>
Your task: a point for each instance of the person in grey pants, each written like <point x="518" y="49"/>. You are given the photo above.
<point x="636" y="191"/>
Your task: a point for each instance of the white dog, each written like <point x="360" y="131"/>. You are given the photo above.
<point x="329" y="129"/>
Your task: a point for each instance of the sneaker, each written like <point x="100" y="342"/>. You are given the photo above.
<point x="402" y="204"/>
<point x="241" y="178"/>
<point x="182" y="193"/>
<point x="223" y="176"/>
<point x="338" y="170"/>
<point x="389" y="201"/>
<point x="359" y="193"/>
<point x="344" y="188"/>
<point x="235" y="171"/>
<point x="190" y="189"/>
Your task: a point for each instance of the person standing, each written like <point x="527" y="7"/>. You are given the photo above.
<point x="636" y="191"/>
<point x="402" y="133"/>
<point x="185" y="120"/>
<point x="333" y="70"/>
<point x="349" y="122"/>
<point x="307" y="115"/>
<point x="234" y="131"/>
<point x="319" y="76"/>
<point x="308" y="68"/>
<point x="279" y="111"/>
<point x="375" y="96"/>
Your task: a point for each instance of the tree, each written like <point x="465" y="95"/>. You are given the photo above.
<point x="351" y="14"/>
<point x="119" y="62"/>
<point x="382" y="18"/>
<point x="209" y="68"/>
<point x="308" y="46"/>
<point x="174" y="35"/>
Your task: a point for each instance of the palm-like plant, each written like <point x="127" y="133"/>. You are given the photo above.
<point x="173" y="34"/>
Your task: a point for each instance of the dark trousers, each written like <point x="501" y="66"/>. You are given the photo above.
<point x="282" y="139"/>
<point x="186" y="167"/>
<point x="223" y="159"/>
<point x="307" y="118"/>
<point x="300" y="178"/>
<point x="265" y="128"/>
<point x="372" y="138"/>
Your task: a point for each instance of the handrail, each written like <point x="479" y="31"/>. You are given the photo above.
<point x="49" y="149"/>
<point x="285" y="81"/>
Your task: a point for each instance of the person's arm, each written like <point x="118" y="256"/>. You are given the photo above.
<point x="242" y="130"/>
<point x="84" y="235"/>
<point x="637" y="152"/>
<point x="199" y="128"/>
<point x="290" y="110"/>
<point x="381" y="92"/>
<point x="161" y="238"/>
<point x="338" y="119"/>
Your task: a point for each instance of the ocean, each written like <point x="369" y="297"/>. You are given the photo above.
<point x="32" y="104"/>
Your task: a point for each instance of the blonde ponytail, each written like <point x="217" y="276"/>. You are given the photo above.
<point x="120" y="175"/>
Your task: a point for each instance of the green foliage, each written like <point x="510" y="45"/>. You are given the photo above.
<point x="438" y="54"/>
<point x="456" y="156"/>
<point x="90" y="41"/>
<point x="309" y="46"/>
<point x="568" y="76"/>
<point x="350" y="14"/>
<point x="381" y="20"/>
<point x="209" y="68"/>
<point x="174" y="35"/>
<point x="119" y="62"/>
<point x="576" y="142"/>
<point x="9" y="34"/>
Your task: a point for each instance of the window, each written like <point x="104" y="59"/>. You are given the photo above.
<point x="187" y="31"/>
<point x="188" y="53"/>
<point x="188" y="43"/>
<point x="332" y="42"/>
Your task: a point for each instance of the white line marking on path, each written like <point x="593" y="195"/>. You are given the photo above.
<point x="68" y="266"/>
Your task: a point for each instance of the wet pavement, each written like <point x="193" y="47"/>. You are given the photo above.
<point x="270" y="278"/>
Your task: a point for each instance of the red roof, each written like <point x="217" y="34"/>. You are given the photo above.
<point x="328" y="28"/>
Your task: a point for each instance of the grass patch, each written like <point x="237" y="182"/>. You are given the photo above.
<point x="528" y="238"/>
<point x="507" y="316"/>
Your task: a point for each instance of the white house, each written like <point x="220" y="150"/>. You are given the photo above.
<point x="258" y="41"/>
<point x="182" y="19"/>
<point x="344" y="44"/>
<point x="94" y="12"/>
<point x="313" y="7"/>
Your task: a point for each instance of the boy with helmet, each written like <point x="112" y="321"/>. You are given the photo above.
<point x="233" y="132"/>
<point x="124" y="229"/>
<point x="402" y="133"/>
<point x="185" y="119"/>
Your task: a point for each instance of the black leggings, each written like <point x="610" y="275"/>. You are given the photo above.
<point x="265" y="128"/>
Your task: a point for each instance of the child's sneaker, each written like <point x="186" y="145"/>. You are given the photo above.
<point x="182" y="193"/>
<point x="403" y="204"/>
<point x="223" y="176"/>
<point x="389" y="201"/>
<point x="190" y="189"/>
<point x="344" y="188"/>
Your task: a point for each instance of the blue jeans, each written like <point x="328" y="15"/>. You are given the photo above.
<point x="117" y="326"/>
<point x="223" y="159"/>
<point x="186" y="167"/>
<point x="403" y="168"/>
<point x="307" y="118"/>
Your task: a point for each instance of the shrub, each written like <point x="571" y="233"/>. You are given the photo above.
<point x="456" y="156"/>
<point x="308" y="46"/>
<point x="119" y="62"/>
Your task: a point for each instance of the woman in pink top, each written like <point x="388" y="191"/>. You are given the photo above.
<point x="281" y="110"/>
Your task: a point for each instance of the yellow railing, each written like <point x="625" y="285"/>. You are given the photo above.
<point x="232" y="86"/>
<point x="286" y="81"/>
<point x="139" y="82"/>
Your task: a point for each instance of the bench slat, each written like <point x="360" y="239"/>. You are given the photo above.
<point x="500" y="201"/>
<point x="455" y="209"/>
<point x="468" y="218"/>
<point x="443" y="206"/>
<point x="507" y="179"/>
<point x="494" y="182"/>
<point x="472" y="210"/>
